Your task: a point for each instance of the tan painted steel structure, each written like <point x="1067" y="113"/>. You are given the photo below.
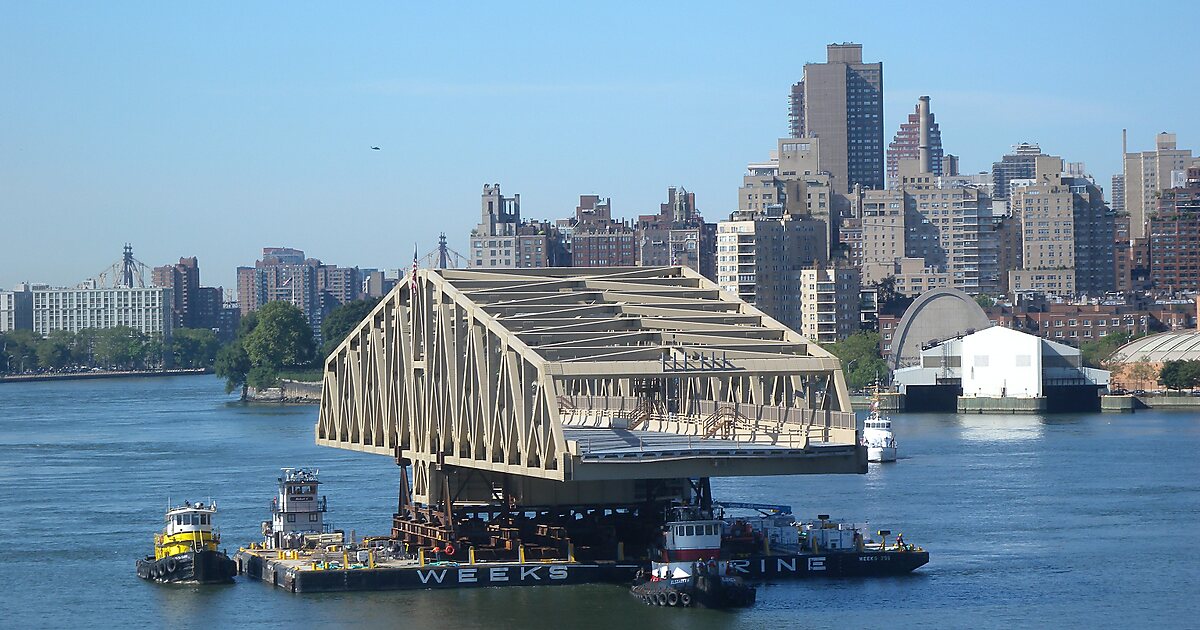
<point x="583" y="375"/>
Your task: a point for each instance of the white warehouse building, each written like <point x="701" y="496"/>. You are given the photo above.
<point x="1001" y="370"/>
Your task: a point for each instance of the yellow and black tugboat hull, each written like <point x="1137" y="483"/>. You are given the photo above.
<point x="192" y="567"/>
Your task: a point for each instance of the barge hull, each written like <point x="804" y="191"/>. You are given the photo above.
<point x="762" y="568"/>
<point x="297" y="580"/>
<point x="818" y="565"/>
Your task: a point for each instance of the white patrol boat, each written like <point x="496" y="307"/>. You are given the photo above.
<point x="186" y="550"/>
<point x="877" y="435"/>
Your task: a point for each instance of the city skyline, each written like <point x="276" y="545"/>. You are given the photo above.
<point x="213" y="132"/>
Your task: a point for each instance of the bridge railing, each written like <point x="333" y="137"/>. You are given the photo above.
<point x="747" y="422"/>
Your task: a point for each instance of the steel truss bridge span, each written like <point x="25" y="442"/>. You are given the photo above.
<point x="566" y="385"/>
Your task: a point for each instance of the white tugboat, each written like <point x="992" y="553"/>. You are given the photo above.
<point x="297" y="513"/>
<point x="877" y="435"/>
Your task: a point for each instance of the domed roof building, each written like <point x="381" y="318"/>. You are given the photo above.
<point x="1179" y="345"/>
<point x="1137" y="364"/>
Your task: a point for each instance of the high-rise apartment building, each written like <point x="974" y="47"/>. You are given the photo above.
<point x="16" y="309"/>
<point x="1118" y="193"/>
<point x="1067" y="237"/>
<point x="285" y="275"/>
<point x="145" y="309"/>
<point x="598" y="240"/>
<point x="790" y="182"/>
<point x="829" y="306"/>
<point x="677" y="235"/>
<point x="503" y="239"/>
<point x="760" y="256"/>
<point x="911" y="275"/>
<point x="841" y="102"/>
<point x="1122" y="254"/>
<point x="1174" y="238"/>
<point x="1025" y="162"/>
<point x="1008" y="249"/>
<point x="949" y="228"/>
<point x="919" y="132"/>
<point x="183" y="279"/>
<point x="1147" y="174"/>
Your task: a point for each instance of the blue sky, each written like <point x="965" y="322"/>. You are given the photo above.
<point x="214" y="129"/>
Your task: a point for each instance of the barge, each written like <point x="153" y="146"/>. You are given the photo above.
<point x="490" y="546"/>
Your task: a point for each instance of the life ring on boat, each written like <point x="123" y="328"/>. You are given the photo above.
<point x="685" y="599"/>
<point x="449" y="549"/>
<point x="672" y="598"/>
<point x="171" y="565"/>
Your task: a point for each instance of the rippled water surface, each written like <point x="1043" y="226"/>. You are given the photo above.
<point x="1065" y="520"/>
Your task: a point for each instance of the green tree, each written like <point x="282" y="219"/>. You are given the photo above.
<point x="342" y="320"/>
<point x="20" y="348"/>
<point x="861" y="359"/>
<point x="83" y="349"/>
<point x="54" y="352"/>
<point x="984" y="301"/>
<point x="194" y="347"/>
<point x="891" y="301"/>
<point x="233" y="364"/>
<point x="1099" y="353"/>
<point x="1142" y="371"/>
<point x="282" y="338"/>
<point x="1180" y="374"/>
<point x="120" y="347"/>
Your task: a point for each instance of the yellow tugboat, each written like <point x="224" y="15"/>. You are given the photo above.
<point x="186" y="551"/>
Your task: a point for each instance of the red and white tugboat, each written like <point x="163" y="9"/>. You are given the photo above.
<point x="691" y="573"/>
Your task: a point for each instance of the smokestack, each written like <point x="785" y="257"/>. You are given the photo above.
<point x="1124" y="143"/>
<point x="923" y="142"/>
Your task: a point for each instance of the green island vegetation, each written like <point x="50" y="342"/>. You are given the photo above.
<point x="272" y="343"/>
<point x="276" y="343"/>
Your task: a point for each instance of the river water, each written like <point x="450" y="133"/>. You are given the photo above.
<point x="1064" y="520"/>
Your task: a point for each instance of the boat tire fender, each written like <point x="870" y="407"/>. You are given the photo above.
<point x="672" y="598"/>
<point x="171" y="565"/>
<point x="660" y="598"/>
<point x="685" y="599"/>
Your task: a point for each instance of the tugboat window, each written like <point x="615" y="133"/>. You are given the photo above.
<point x="312" y="518"/>
<point x="291" y="518"/>
<point x="691" y="530"/>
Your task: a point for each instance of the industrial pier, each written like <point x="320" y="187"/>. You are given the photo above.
<point x="547" y="418"/>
